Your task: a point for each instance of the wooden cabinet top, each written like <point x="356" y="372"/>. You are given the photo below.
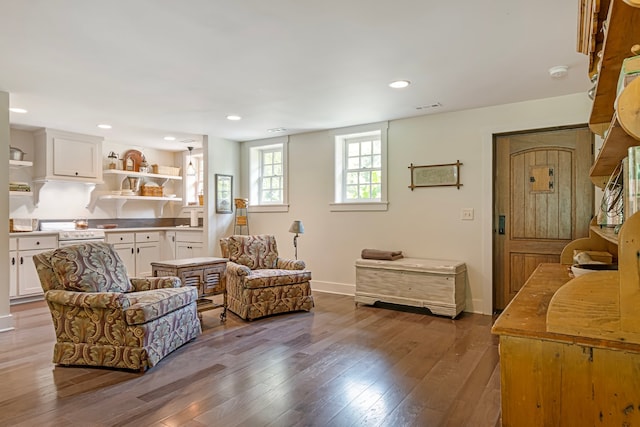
<point x="526" y="315"/>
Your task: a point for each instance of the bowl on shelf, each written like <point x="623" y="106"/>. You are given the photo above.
<point x="580" y="269"/>
<point x="171" y="196"/>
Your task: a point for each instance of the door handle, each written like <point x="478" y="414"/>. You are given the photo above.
<point x="501" y="222"/>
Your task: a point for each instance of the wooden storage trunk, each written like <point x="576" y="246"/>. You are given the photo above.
<point x="438" y="285"/>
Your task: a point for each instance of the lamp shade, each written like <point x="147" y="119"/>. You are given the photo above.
<point x="297" y="227"/>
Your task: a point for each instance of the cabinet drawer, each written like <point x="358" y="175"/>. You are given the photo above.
<point x="189" y="236"/>
<point x="41" y="242"/>
<point x="13" y="244"/>
<point x="153" y="236"/>
<point x="115" y="238"/>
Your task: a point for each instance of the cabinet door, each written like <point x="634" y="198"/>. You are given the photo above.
<point x="168" y="246"/>
<point x="146" y="253"/>
<point x="28" y="280"/>
<point x="128" y="255"/>
<point x="75" y="158"/>
<point x="188" y="250"/>
<point x="13" y="274"/>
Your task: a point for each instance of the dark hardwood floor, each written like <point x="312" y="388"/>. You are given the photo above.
<point x="336" y="366"/>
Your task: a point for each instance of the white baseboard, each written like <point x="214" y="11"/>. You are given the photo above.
<point x="348" y="289"/>
<point x="333" y="288"/>
<point x="6" y="323"/>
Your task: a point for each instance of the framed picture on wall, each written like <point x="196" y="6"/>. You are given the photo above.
<point x="224" y="193"/>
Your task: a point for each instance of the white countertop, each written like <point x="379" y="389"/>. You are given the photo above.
<point x="110" y="230"/>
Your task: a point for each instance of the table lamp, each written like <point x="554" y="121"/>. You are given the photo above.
<point x="297" y="228"/>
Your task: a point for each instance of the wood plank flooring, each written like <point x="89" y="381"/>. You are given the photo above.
<point x="338" y="365"/>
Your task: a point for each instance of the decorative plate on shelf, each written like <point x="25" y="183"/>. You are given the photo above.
<point x="131" y="160"/>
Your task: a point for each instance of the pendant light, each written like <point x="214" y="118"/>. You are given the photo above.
<point x="191" y="170"/>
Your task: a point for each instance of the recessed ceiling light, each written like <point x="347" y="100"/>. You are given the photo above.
<point x="169" y="138"/>
<point x="18" y="110"/>
<point x="276" y="130"/>
<point x="399" y="84"/>
<point x="233" y="117"/>
<point x="104" y="126"/>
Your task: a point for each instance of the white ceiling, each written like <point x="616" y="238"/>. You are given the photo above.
<point x="152" y="68"/>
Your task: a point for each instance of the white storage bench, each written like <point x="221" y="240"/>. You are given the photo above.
<point x="438" y="285"/>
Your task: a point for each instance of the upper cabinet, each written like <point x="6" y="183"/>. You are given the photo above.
<point x="66" y="156"/>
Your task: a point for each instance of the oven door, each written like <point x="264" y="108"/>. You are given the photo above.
<point x="63" y="243"/>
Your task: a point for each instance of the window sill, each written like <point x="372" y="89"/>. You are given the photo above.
<point x="268" y="208"/>
<point x="359" y="207"/>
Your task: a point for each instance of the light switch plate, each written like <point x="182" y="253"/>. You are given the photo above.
<point x="466" y="214"/>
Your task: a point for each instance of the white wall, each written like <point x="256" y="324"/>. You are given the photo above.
<point x="6" y="321"/>
<point x="221" y="157"/>
<point x="423" y="223"/>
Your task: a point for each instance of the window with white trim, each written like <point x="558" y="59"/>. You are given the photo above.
<point x="267" y="177"/>
<point x="193" y="179"/>
<point x="362" y="178"/>
<point x="270" y="182"/>
<point x="360" y="168"/>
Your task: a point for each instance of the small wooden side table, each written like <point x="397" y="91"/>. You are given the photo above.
<point x="206" y="273"/>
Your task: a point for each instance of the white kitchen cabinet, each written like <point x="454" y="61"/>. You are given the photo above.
<point x="66" y="156"/>
<point x="189" y="244"/>
<point x="137" y="250"/>
<point x="147" y="251"/>
<point x="26" y="276"/>
<point x="13" y="268"/>
<point x="168" y="245"/>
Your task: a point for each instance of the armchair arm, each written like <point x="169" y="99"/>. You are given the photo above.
<point x="148" y="283"/>
<point x="105" y="300"/>
<point x="290" y="264"/>
<point x="237" y="269"/>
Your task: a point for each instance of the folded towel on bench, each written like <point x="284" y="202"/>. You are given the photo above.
<point x="381" y="255"/>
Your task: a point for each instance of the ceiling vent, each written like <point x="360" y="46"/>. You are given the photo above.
<point x="429" y="106"/>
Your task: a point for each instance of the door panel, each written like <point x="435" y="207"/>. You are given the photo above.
<point x="543" y="190"/>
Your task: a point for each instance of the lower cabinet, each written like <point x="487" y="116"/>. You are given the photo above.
<point x="137" y="250"/>
<point x="23" y="277"/>
<point x="13" y="268"/>
<point x="189" y="244"/>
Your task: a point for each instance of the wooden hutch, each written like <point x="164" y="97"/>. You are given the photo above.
<point x="570" y="348"/>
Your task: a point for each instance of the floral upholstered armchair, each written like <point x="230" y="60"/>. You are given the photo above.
<point x="259" y="283"/>
<point x="103" y="318"/>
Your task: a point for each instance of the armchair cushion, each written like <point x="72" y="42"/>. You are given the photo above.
<point x="149" y="283"/>
<point x="275" y="277"/>
<point x="103" y="300"/>
<point x="146" y="306"/>
<point x="259" y="251"/>
<point x="90" y="267"/>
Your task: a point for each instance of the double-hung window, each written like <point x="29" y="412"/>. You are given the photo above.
<point x="360" y="168"/>
<point x="266" y="161"/>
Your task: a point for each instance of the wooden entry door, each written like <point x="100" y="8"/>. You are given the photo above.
<point x="543" y="199"/>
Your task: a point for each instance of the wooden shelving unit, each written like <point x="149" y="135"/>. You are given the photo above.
<point x="623" y="22"/>
<point x="606" y="305"/>
<point x="613" y="150"/>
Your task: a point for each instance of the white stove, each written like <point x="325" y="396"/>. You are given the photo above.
<point x="69" y="235"/>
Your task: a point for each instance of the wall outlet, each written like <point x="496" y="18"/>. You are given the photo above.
<point x="466" y="214"/>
